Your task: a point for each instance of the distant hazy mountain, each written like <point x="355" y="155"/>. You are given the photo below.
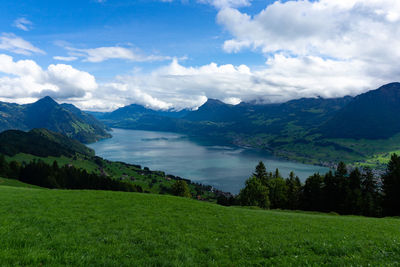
<point x="40" y="142"/>
<point x="46" y="113"/>
<point x="213" y="110"/>
<point x="372" y="115"/>
<point x="134" y="110"/>
<point x="215" y="117"/>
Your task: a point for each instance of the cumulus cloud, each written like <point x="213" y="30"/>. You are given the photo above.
<point x="283" y="78"/>
<point x="23" y="24"/>
<point x="15" y="44"/>
<point x="25" y="80"/>
<point x="339" y="29"/>
<point x="101" y="54"/>
<point x="175" y="86"/>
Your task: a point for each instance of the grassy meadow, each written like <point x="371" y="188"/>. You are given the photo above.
<point x="15" y="183"/>
<point x="42" y="227"/>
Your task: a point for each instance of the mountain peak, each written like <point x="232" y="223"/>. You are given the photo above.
<point x="390" y="87"/>
<point x="212" y="101"/>
<point x="47" y="100"/>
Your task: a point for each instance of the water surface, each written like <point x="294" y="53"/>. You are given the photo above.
<point x="201" y="160"/>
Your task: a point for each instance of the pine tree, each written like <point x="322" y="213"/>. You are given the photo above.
<point x="370" y="203"/>
<point x="261" y="173"/>
<point x="293" y="185"/>
<point x="312" y="197"/>
<point x="353" y="196"/>
<point x="391" y="186"/>
<point x="3" y="166"/>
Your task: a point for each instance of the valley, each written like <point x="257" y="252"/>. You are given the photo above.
<point x="309" y="130"/>
<point x="203" y="160"/>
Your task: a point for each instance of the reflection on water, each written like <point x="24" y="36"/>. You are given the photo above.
<point x="202" y="160"/>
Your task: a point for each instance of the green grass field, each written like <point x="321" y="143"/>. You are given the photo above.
<point x="15" y="183"/>
<point x="97" y="228"/>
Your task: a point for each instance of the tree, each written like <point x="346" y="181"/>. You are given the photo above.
<point x="336" y="189"/>
<point x="261" y="173"/>
<point x="391" y="187"/>
<point x="293" y="185"/>
<point x="255" y="193"/>
<point x="354" y="196"/>
<point x="277" y="174"/>
<point x="330" y="189"/>
<point x="181" y="188"/>
<point x="277" y="192"/>
<point x="313" y="193"/>
<point x="3" y="166"/>
<point x="370" y="198"/>
<point x="13" y="170"/>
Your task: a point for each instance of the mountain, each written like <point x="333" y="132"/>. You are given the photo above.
<point x="133" y="111"/>
<point x="311" y="130"/>
<point x="46" y="113"/>
<point x="270" y="118"/>
<point x="40" y="142"/>
<point x="213" y="110"/>
<point x="216" y="117"/>
<point x="12" y="116"/>
<point x="372" y="115"/>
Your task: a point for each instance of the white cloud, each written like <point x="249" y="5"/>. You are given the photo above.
<point x="176" y="86"/>
<point x="218" y="3"/>
<point x="367" y="30"/>
<point x="283" y="78"/>
<point x="101" y="54"/>
<point x="65" y="58"/>
<point x="15" y="44"/>
<point x="226" y="3"/>
<point x="24" y="80"/>
<point x="23" y="24"/>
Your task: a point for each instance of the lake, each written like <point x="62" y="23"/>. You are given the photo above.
<point x="201" y="160"/>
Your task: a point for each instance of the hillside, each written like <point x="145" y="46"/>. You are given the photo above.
<point x="42" y="143"/>
<point x="53" y="227"/>
<point x="215" y="117"/>
<point x="47" y="147"/>
<point x="133" y="111"/>
<point x="46" y="113"/>
<point x="372" y="115"/>
<point x="15" y="183"/>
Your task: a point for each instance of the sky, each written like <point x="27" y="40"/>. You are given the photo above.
<point x="174" y="54"/>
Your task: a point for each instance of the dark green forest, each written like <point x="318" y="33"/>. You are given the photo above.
<point x="67" y="177"/>
<point x="357" y="192"/>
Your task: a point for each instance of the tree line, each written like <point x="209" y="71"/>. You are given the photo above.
<point x="355" y="192"/>
<point x="52" y="176"/>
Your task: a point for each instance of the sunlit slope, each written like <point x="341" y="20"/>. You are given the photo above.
<point x="52" y="227"/>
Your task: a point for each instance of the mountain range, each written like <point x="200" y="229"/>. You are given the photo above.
<point x="312" y="130"/>
<point x="46" y="113"/>
<point x="317" y="128"/>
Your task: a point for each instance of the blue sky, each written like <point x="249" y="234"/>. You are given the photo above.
<point x="175" y="29"/>
<point x="102" y="54"/>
